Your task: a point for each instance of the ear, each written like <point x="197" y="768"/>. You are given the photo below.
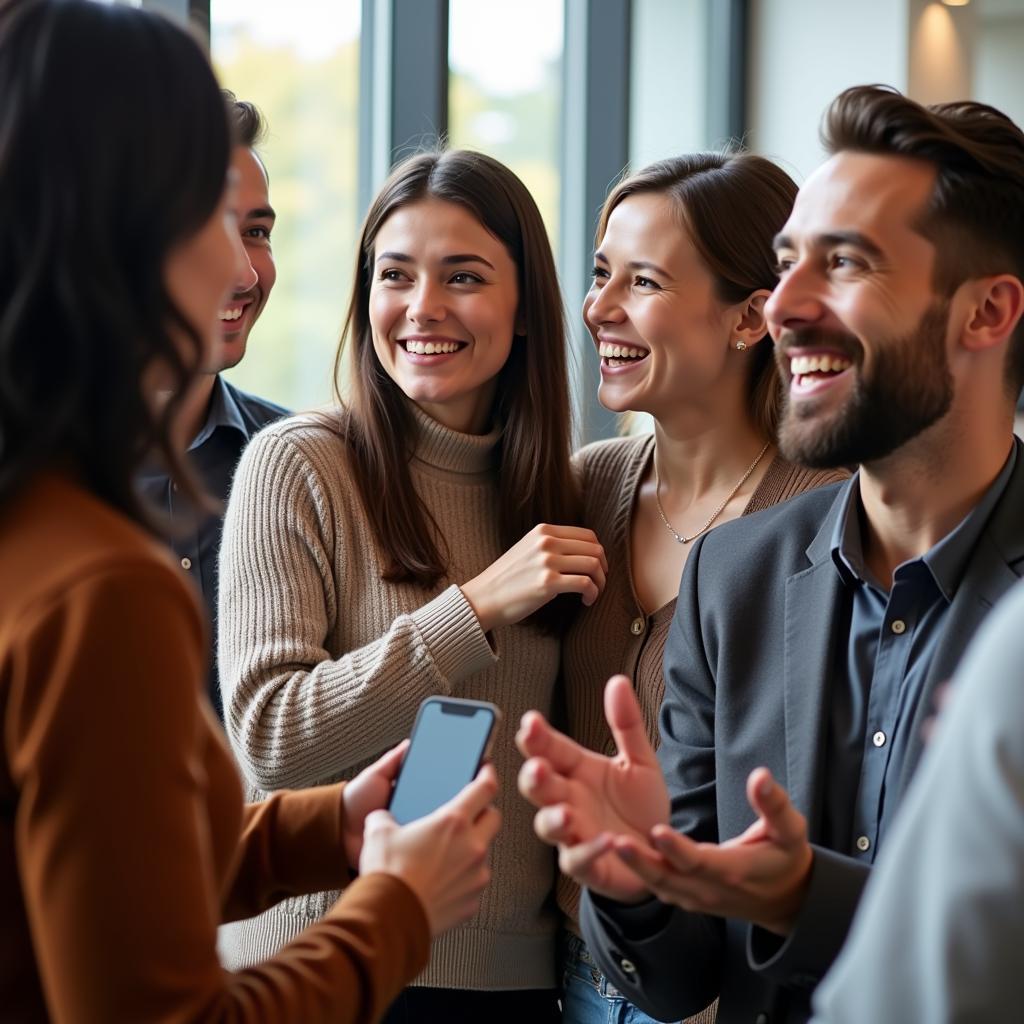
<point x="748" y="323"/>
<point x="519" y="327"/>
<point x="996" y="306"/>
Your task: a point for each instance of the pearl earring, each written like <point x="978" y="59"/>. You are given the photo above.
<point x="741" y="346"/>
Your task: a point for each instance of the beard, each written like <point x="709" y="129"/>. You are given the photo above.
<point x="910" y="388"/>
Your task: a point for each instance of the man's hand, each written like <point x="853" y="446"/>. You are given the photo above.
<point x="760" y="876"/>
<point x="369" y="791"/>
<point x="586" y="799"/>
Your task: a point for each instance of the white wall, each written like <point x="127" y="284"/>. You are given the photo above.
<point x="804" y="52"/>
<point x="999" y="63"/>
<point x="669" y="80"/>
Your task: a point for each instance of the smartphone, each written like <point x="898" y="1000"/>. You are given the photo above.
<point x="449" y="742"/>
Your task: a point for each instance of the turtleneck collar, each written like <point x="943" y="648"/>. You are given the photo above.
<point x="442" y="448"/>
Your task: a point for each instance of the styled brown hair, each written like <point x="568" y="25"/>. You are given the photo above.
<point x="114" y="147"/>
<point x="975" y="217"/>
<point x="731" y="205"/>
<point x="532" y="396"/>
<point x="250" y="126"/>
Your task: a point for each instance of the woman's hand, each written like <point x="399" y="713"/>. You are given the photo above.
<point x="369" y="791"/>
<point x="548" y="561"/>
<point x="443" y="856"/>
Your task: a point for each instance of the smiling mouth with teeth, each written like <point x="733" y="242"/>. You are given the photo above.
<point x="620" y="355"/>
<point x="431" y="348"/>
<point x="229" y="315"/>
<point x="807" y="369"/>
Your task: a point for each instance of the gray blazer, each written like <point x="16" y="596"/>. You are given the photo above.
<point x="746" y="675"/>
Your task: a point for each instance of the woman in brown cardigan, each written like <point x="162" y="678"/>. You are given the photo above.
<point x="683" y="266"/>
<point x="123" y="837"/>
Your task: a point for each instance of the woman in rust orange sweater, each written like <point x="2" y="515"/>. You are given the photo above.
<point x="123" y="838"/>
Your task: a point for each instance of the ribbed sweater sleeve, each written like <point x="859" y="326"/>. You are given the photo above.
<point x="296" y="712"/>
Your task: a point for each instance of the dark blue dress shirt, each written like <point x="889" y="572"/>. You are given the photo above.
<point x="880" y="673"/>
<point x="233" y="418"/>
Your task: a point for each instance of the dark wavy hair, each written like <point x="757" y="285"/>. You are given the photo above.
<point x="532" y="397"/>
<point x="975" y="217"/>
<point x="114" y="147"/>
<point x="731" y="205"/>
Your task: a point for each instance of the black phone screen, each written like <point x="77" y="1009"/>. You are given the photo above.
<point x="448" y="744"/>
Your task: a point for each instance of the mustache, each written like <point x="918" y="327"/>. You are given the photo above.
<point x="814" y="337"/>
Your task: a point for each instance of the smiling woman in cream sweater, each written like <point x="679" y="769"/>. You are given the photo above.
<point x="409" y="543"/>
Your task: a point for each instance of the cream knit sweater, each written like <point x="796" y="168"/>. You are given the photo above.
<point x="323" y="666"/>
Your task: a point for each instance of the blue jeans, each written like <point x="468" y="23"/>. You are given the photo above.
<point x="588" y="996"/>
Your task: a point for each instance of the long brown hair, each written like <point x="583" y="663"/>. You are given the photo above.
<point x="731" y="205"/>
<point x="532" y="397"/>
<point x="975" y="218"/>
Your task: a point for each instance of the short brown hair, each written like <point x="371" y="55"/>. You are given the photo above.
<point x="975" y="217"/>
<point x="731" y="205"/>
<point x="250" y="126"/>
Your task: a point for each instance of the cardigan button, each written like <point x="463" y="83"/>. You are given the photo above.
<point x="636" y="627"/>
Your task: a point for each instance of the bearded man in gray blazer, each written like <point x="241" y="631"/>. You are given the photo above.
<point x="809" y="639"/>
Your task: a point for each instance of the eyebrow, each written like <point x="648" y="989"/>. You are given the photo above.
<point x="637" y="264"/>
<point x="262" y="213"/>
<point x="461" y="257"/>
<point x="854" y="238"/>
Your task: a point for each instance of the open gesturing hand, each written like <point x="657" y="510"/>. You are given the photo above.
<point x="759" y="876"/>
<point x="588" y="801"/>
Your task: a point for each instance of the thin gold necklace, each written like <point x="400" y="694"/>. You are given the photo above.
<point x="680" y="539"/>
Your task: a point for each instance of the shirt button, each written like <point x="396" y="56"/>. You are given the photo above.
<point x="186" y="563"/>
<point x="863" y="844"/>
<point x="878" y="739"/>
<point x="636" y="627"/>
<point x="898" y="626"/>
<point x="628" y="967"/>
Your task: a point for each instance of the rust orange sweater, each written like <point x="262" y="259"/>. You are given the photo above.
<point x="124" y="841"/>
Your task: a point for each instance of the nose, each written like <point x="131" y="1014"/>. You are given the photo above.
<point x="602" y="306"/>
<point x="245" y="274"/>
<point x="426" y="304"/>
<point x="796" y="300"/>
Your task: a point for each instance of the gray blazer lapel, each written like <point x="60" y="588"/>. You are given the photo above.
<point x="814" y="600"/>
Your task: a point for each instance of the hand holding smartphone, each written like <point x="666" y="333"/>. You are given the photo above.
<point x="450" y="740"/>
<point x="442" y="821"/>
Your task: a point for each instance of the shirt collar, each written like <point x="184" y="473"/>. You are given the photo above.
<point x="224" y="412"/>
<point x="946" y="561"/>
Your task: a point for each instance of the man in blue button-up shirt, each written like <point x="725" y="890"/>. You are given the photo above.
<point x="809" y="639"/>
<point x="223" y="418"/>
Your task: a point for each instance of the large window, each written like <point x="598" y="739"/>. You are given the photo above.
<point x="505" y="90"/>
<point x="299" y="63"/>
